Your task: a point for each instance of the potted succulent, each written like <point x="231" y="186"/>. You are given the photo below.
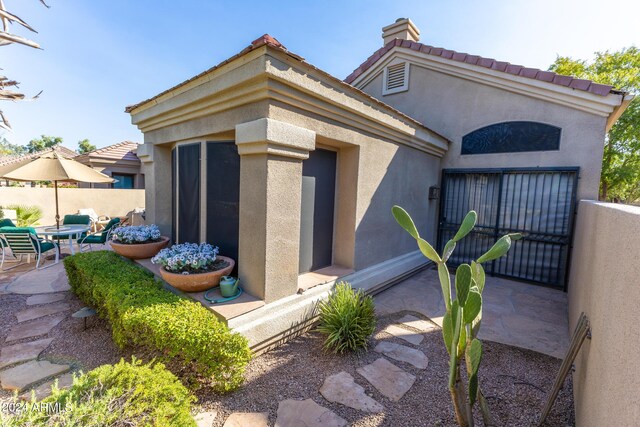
<point x="138" y="241"/>
<point x="193" y="267"/>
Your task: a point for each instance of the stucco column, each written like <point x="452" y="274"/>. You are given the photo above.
<point x="156" y="166"/>
<point x="271" y="155"/>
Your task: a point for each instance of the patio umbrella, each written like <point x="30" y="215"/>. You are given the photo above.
<point x="52" y="166"/>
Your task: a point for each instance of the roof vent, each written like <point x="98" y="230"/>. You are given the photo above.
<point x="402" y="29"/>
<point x="396" y="78"/>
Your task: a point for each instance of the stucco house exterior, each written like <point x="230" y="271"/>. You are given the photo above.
<point x="293" y="172"/>
<point x="118" y="161"/>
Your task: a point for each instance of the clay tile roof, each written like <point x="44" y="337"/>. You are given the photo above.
<point x="64" y="151"/>
<point x="517" y="70"/>
<point x="125" y="150"/>
<point x="271" y="41"/>
<point x="265" y="40"/>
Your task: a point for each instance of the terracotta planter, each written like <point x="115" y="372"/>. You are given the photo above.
<point x="139" y="250"/>
<point x="197" y="282"/>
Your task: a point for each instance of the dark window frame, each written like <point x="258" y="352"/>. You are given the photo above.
<point x="512" y="137"/>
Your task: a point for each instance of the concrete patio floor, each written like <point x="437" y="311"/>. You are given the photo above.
<point x="514" y="313"/>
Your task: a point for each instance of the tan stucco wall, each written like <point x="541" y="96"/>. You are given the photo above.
<point x="388" y="160"/>
<point x="604" y="284"/>
<point x="386" y="173"/>
<point x="454" y="106"/>
<point x="111" y="202"/>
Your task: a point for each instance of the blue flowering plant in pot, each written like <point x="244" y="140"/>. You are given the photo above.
<point x="193" y="267"/>
<point x="138" y="241"/>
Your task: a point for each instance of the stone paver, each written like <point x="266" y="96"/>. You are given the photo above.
<point x="403" y="353"/>
<point x="39" y="281"/>
<point x="24" y="352"/>
<point x="44" y="390"/>
<point x="341" y="388"/>
<point x="62" y="284"/>
<point x="247" y="419"/>
<point x="407" y="335"/>
<point x="387" y="378"/>
<point x="416" y="323"/>
<point x="306" y="413"/>
<point x="24" y="376"/>
<point x="41" y="311"/>
<point x="34" y="328"/>
<point x="205" y="419"/>
<point x="513" y="313"/>
<point x="45" y="298"/>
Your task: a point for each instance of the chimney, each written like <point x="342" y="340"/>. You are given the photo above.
<point x="403" y="29"/>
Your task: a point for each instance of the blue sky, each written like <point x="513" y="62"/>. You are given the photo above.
<point x="100" y="56"/>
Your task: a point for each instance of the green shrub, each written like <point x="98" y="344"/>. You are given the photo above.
<point x="347" y="318"/>
<point x="27" y="216"/>
<point x="125" y="394"/>
<point x="143" y="314"/>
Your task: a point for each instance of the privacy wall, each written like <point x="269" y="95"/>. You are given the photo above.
<point x="604" y="284"/>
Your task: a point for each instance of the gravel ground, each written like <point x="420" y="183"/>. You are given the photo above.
<point x="515" y="381"/>
<point x="83" y="350"/>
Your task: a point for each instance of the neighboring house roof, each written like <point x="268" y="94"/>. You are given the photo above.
<point x="64" y="151"/>
<point x="270" y="41"/>
<point x="517" y="70"/>
<point x="125" y="150"/>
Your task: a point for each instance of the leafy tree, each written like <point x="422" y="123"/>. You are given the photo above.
<point x="39" y="144"/>
<point x="8" y="149"/>
<point x="620" y="181"/>
<point x="85" y="146"/>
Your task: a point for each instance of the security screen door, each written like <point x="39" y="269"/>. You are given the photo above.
<point x="185" y="168"/>
<point x="316" y="216"/>
<point x="539" y="203"/>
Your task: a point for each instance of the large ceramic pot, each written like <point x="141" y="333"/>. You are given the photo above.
<point x="197" y="282"/>
<point x="140" y="250"/>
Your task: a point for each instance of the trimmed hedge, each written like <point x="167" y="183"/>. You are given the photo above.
<point x="143" y="314"/>
<point x="124" y="394"/>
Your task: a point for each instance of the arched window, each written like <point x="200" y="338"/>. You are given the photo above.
<point x="512" y="137"/>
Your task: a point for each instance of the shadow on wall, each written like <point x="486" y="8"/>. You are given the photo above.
<point x="405" y="181"/>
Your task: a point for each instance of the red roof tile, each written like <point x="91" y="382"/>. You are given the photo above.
<point x="271" y="41"/>
<point x="259" y="42"/>
<point x="518" y="70"/>
<point x="125" y="150"/>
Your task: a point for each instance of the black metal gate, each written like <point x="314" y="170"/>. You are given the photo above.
<point x="539" y="203"/>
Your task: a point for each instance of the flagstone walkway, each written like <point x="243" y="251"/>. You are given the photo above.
<point x="513" y="313"/>
<point x="21" y="370"/>
<point x="391" y="380"/>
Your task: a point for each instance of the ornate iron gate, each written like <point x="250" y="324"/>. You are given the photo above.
<point x="539" y="203"/>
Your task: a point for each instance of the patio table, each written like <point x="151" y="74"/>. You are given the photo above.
<point x="72" y="230"/>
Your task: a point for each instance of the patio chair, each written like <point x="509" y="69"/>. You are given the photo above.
<point x="100" y="238"/>
<point x="96" y="220"/>
<point x="24" y="241"/>
<point x="74" y="220"/>
<point x="5" y="222"/>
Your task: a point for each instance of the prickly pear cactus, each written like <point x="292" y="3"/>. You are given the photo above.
<point x="461" y="322"/>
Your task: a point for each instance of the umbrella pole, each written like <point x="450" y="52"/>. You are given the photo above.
<point x="55" y="184"/>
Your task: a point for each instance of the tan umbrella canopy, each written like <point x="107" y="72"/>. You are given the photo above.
<point x="52" y="166"/>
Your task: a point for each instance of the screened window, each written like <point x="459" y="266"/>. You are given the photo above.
<point x="512" y="137"/>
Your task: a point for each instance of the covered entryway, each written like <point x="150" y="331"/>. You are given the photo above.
<point x="316" y="216"/>
<point x="223" y="197"/>
<point x="185" y="200"/>
<point x="539" y="203"/>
